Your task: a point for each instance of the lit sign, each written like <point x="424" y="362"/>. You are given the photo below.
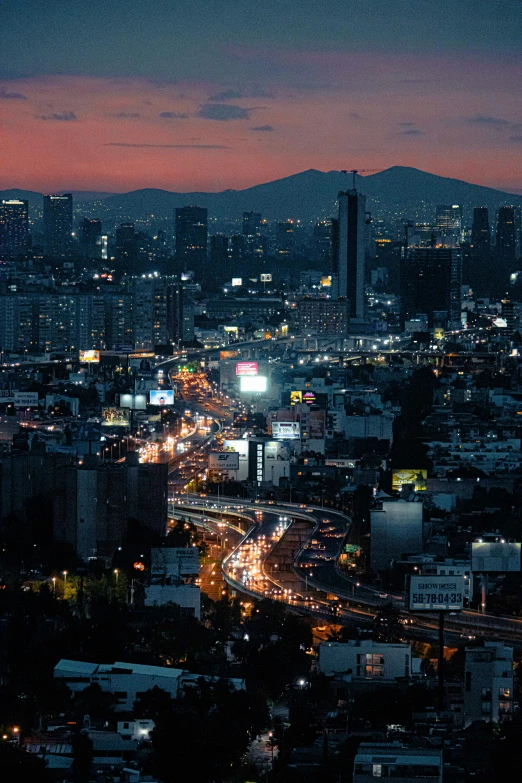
<point x="253" y="384"/>
<point x="139" y="566"/>
<point x="309" y="398"/>
<point x="416" y="477"/>
<point x="436" y="593"/>
<point x="296" y="397"/>
<point x="161" y="397"/>
<point x="247" y="368"/>
<point x="25" y="399"/>
<point x="286" y="430"/>
<point x="90" y="356"/>
<point x="223" y="460"/>
<point x="237" y="281"/>
<point x="266" y="278"/>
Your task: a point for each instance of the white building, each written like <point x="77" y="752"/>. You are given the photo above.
<point x="127" y="681"/>
<point x="391" y="760"/>
<point x="488" y="683"/>
<point x="395" y="531"/>
<point x="367" y="660"/>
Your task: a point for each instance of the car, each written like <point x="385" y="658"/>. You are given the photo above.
<point x="383" y="595"/>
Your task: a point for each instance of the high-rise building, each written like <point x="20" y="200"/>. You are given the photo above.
<point x="14" y="227"/>
<point x="285" y="239"/>
<point x="351" y="251"/>
<point x="251" y="224"/>
<point x="58" y="225"/>
<point x="126" y="247"/>
<point x="480" y="233"/>
<point x="180" y="314"/>
<point x="321" y="248"/>
<point x="219" y="251"/>
<point x="91" y="238"/>
<point x="319" y="315"/>
<point x="448" y="220"/>
<point x="505" y="242"/>
<point x="430" y="283"/>
<point x="237" y="251"/>
<point x="191" y="236"/>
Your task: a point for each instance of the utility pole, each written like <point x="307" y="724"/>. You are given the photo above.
<point x="440" y="672"/>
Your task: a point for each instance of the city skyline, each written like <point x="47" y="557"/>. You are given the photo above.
<point x="92" y="99"/>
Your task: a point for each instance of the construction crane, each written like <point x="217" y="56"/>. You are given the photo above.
<point x="353" y="172"/>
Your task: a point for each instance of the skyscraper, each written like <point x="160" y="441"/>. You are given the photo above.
<point x="448" y="221"/>
<point x="58" y="224"/>
<point x="505" y="244"/>
<point x="191" y="236"/>
<point x="351" y="252"/>
<point x="91" y="238"/>
<point x="219" y="251"/>
<point x="285" y="239"/>
<point x="14" y="227"/>
<point x="431" y="278"/>
<point x="480" y="236"/>
<point x="251" y="224"/>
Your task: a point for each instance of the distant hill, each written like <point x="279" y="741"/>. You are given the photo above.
<point x="308" y="195"/>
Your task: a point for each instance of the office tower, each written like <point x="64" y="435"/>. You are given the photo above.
<point x="91" y="238"/>
<point x="480" y="233"/>
<point x="149" y="311"/>
<point x="285" y="239"/>
<point x="430" y="283"/>
<point x="505" y="242"/>
<point x="237" y="251"/>
<point x="251" y="224"/>
<point x="321" y="248"/>
<point x="14" y="227"/>
<point x="191" y="236"/>
<point x="180" y="314"/>
<point x="219" y="251"/>
<point x="351" y="252"/>
<point x="388" y="254"/>
<point x="477" y="269"/>
<point x="323" y="316"/>
<point x="448" y="220"/>
<point x="58" y="225"/>
<point x="126" y="247"/>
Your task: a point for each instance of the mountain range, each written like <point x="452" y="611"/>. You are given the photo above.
<point x="308" y="195"/>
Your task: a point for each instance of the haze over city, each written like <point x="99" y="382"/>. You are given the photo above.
<point x="206" y="96"/>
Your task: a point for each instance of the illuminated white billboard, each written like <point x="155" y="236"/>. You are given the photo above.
<point x="286" y="430"/>
<point x="161" y="397"/>
<point x="223" y="460"/>
<point x="436" y="593"/>
<point x="266" y="278"/>
<point x="237" y="281"/>
<point x="253" y="384"/>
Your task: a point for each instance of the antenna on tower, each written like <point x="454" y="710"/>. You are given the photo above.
<point x="353" y="172"/>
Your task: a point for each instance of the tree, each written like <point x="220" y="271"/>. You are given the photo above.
<point x="386" y="625"/>
<point x="153" y="703"/>
<point x="94" y="702"/>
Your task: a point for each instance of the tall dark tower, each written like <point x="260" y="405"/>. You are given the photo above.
<point x="58" y="223"/>
<point x="351" y="252"/>
<point x="477" y="269"/>
<point x="480" y="233"/>
<point x="191" y="236"/>
<point x="91" y="238"/>
<point x="505" y="245"/>
<point x="14" y="227"/>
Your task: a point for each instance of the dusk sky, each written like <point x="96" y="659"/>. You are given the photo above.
<point x="116" y="95"/>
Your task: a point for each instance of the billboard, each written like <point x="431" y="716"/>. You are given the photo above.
<point x="227" y="355"/>
<point x="247" y="368"/>
<point x="417" y="477"/>
<point x="90" y="357"/>
<point x="309" y="397"/>
<point x="136" y="402"/>
<point x="286" y="430"/>
<point x="278" y="450"/>
<point x="495" y="556"/>
<point x="25" y="399"/>
<point x="253" y="384"/>
<point x="436" y="593"/>
<point x="240" y="447"/>
<point x="115" y="417"/>
<point x="174" y="561"/>
<point x="223" y="460"/>
<point x="237" y="281"/>
<point x="266" y="278"/>
<point x="161" y="397"/>
<point x="296" y="397"/>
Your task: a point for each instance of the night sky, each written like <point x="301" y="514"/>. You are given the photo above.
<point x="211" y="94"/>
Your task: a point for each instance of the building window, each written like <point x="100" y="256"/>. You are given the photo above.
<point x="373" y="665"/>
<point x="504" y="693"/>
<point x="377" y="770"/>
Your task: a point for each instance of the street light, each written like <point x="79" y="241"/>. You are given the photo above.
<point x="54" y="584"/>
<point x="116" y="573"/>
<point x="64" y="573"/>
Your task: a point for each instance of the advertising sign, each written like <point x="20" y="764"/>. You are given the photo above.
<point x="223" y="460"/>
<point x="115" y="417"/>
<point x="174" y="561"/>
<point x="266" y="278"/>
<point x="136" y="402"/>
<point x="309" y="397"/>
<point x="90" y="357"/>
<point x="247" y="368"/>
<point x="237" y="281"/>
<point x="161" y="397"/>
<point x="436" y="593"/>
<point x="417" y="477"/>
<point x="253" y="384"/>
<point x="286" y="430"/>
<point x="227" y="355"/>
<point x="494" y="556"/>
<point x="296" y="397"/>
<point x="25" y="399"/>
